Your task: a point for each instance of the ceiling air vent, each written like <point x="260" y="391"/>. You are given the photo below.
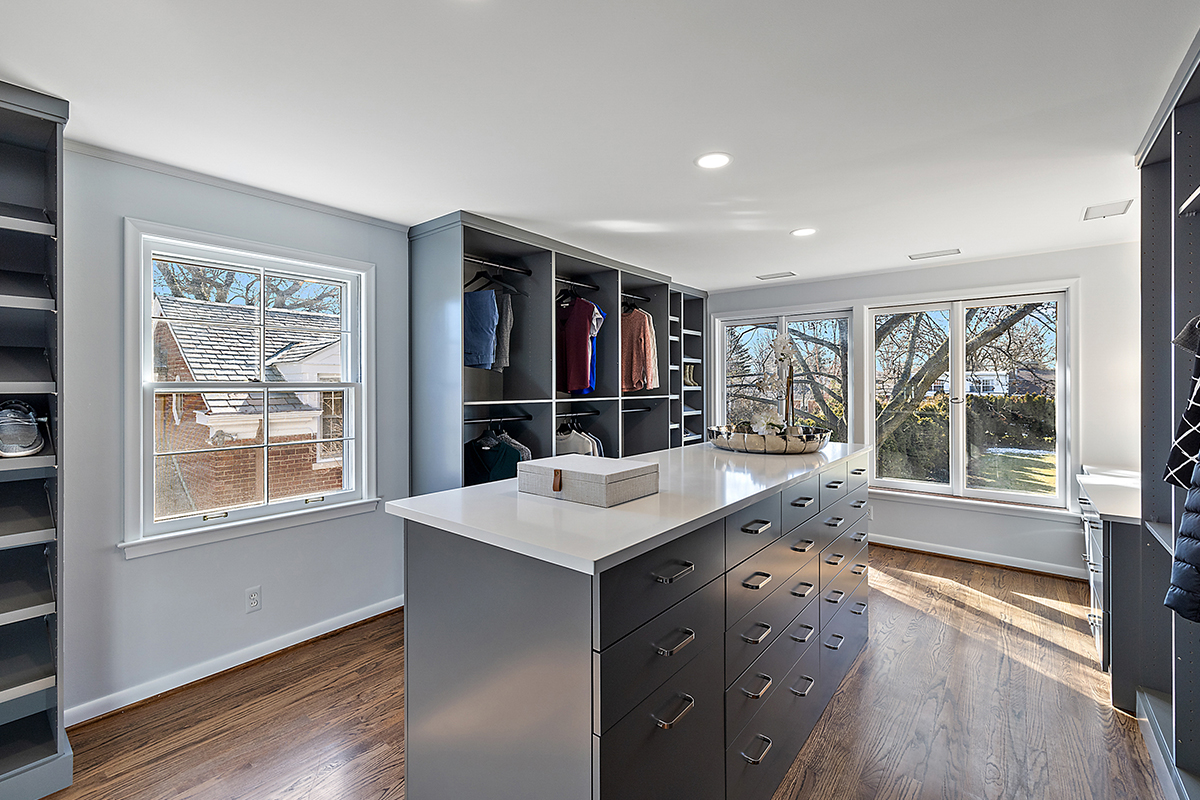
<point x="1107" y="210"/>
<point x="935" y="254"/>
<point x="775" y="276"/>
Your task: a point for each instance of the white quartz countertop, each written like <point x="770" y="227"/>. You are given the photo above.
<point x="1116" y="494"/>
<point x="697" y="484"/>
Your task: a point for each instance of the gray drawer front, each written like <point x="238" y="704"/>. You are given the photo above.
<point x="646" y="658"/>
<point x="641" y="588"/>
<point x="801" y="502"/>
<point x="838" y="593"/>
<point x="640" y="760"/>
<point x="851" y="506"/>
<point x="750" y="636"/>
<point x="833" y="522"/>
<point x="842" y="639"/>
<point x="786" y="722"/>
<point x="741" y="540"/>
<point x="833" y="484"/>
<point x="768" y="569"/>
<point x="839" y="553"/>
<point x="766" y="675"/>
<point x="857" y="470"/>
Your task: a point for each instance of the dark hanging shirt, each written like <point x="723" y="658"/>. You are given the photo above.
<point x="575" y="346"/>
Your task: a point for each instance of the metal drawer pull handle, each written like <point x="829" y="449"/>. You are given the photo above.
<point x="803" y="546"/>
<point x="835" y="559"/>
<point x="808" y="632"/>
<point x="858" y="609"/>
<point x="829" y="598"/>
<point x="758" y="695"/>
<point x="689" y="636"/>
<point x="666" y="725"/>
<point x="858" y="569"/>
<point x="763" y="754"/>
<point x="834" y="485"/>
<point x="803" y="502"/>
<point x="858" y="504"/>
<point x="836" y="644"/>
<point x="802" y="589"/>
<point x="811" y="683"/>
<point x="688" y="569"/>
<point x="859" y="471"/>
<point x="835" y="522"/>
<point x="761" y="637"/>
<point x="858" y="536"/>
<point x="761" y="582"/>
<point x="757" y="526"/>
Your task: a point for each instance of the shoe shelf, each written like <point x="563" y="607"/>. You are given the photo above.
<point x="25" y="370"/>
<point x="25" y="588"/>
<point x="15" y="217"/>
<point x="25" y="516"/>
<point x="24" y="290"/>
<point x="26" y="661"/>
<point x="46" y="457"/>
<point x="26" y="741"/>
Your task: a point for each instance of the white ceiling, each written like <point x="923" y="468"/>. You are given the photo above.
<point x="893" y="128"/>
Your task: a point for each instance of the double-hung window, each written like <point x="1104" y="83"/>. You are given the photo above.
<point x="968" y="398"/>
<point x="816" y="348"/>
<point x="247" y="381"/>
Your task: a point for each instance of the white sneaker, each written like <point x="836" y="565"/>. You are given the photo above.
<point x="19" y="434"/>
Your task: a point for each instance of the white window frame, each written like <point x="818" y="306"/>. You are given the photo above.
<point x="142" y="534"/>
<point x="1064" y="402"/>
<point x="781" y="320"/>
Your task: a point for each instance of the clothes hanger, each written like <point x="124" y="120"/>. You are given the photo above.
<point x="494" y="279"/>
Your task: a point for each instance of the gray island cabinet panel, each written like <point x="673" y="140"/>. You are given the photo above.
<point x="558" y="651"/>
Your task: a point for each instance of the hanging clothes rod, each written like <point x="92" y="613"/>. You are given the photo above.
<point x="478" y="260"/>
<point x="490" y="420"/>
<point x="634" y="410"/>
<point x="633" y="296"/>
<point x="562" y="414"/>
<point x="588" y="286"/>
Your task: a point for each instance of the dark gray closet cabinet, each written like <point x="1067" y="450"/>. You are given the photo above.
<point x="452" y="403"/>
<point x="35" y="757"/>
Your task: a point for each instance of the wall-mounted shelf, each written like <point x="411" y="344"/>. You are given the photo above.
<point x="24" y="290"/>
<point x="46" y="457"/>
<point x="15" y="217"/>
<point x="25" y="370"/>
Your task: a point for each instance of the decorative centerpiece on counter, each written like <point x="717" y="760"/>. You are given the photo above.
<point x="766" y="431"/>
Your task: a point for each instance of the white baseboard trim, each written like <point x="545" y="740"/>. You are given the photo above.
<point x="102" y="705"/>
<point x="980" y="555"/>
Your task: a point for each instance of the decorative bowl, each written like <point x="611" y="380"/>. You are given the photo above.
<point x="795" y="440"/>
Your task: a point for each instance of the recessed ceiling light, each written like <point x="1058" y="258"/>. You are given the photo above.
<point x="775" y="275"/>
<point x="935" y="254"/>
<point x="804" y="231"/>
<point x="1107" y="210"/>
<point x="713" y="160"/>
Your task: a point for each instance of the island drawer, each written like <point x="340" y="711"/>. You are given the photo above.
<point x="838" y="593"/>
<point x="801" y="502"/>
<point x="756" y="578"/>
<point x="670" y="745"/>
<point x="639" y="589"/>
<point x="841" y="552"/>
<point x="753" y="528"/>
<point x="754" y="633"/>
<point x="828" y="526"/>
<point x="833" y="484"/>
<point x="856" y="470"/>
<point x="842" y="639"/>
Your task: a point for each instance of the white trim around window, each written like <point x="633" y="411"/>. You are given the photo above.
<point x="142" y="534"/>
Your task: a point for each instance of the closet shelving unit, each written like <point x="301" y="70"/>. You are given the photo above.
<point x="35" y="756"/>
<point x="450" y="401"/>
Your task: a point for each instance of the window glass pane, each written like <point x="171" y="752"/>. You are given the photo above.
<point x="912" y="412"/>
<point x="191" y="352"/>
<point x="193" y="484"/>
<point x="295" y="470"/>
<point x="303" y="355"/>
<point x="204" y="421"/>
<point x="1012" y="391"/>
<point x="295" y="302"/>
<point x="819" y="384"/>
<point x="205" y="294"/>
<point x="748" y="359"/>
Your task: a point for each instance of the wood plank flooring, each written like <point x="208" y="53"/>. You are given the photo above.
<point x="978" y="682"/>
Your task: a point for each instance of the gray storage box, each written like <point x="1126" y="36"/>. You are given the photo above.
<point x="595" y="481"/>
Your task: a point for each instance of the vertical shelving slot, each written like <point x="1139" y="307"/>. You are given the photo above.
<point x="600" y="418"/>
<point x="47" y="457"/>
<point x="646" y="425"/>
<point x="23" y="278"/>
<point x="599" y="285"/>
<point x="692" y="329"/>
<point x="26" y="591"/>
<point x="674" y="375"/>
<point x="26" y="661"/>
<point x="652" y="297"/>
<point x="25" y="515"/>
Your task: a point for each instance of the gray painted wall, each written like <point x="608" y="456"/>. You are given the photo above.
<point x="138" y="627"/>
<point x="1105" y="379"/>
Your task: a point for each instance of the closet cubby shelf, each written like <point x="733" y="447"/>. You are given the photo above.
<point x="505" y="402"/>
<point x="673" y="318"/>
<point x="586" y="398"/>
<point x="1164" y="533"/>
<point x="26" y="660"/>
<point x="24" y="290"/>
<point x="25" y="590"/>
<point x="693" y="388"/>
<point x="25" y="516"/>
<point x="25" y="370"/>
<point x="26" y="741"/>
<point x="690" y="360"/>
<point x="1191" y="205"/>
<point x="22" y="218"/>
<point x="46" y="457"/>
<point x="688" y="332"/>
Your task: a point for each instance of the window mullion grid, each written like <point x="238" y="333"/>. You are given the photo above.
<point x="958" y="395"/>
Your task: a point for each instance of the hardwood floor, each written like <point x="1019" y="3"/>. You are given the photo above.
<point x="978" y="682"/>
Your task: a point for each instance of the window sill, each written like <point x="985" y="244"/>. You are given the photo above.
<point x="974" y="504"/>
<point x="166" y="543"/>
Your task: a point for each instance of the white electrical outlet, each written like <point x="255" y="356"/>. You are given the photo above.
<point x="253" y="599"/>
<point x="870" y="512"/>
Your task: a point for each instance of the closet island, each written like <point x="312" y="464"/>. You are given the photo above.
<point x="681" y="645"/>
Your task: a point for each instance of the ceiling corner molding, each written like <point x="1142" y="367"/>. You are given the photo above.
<point x="1178" y="84"/>
<point x="221" y="183"/>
